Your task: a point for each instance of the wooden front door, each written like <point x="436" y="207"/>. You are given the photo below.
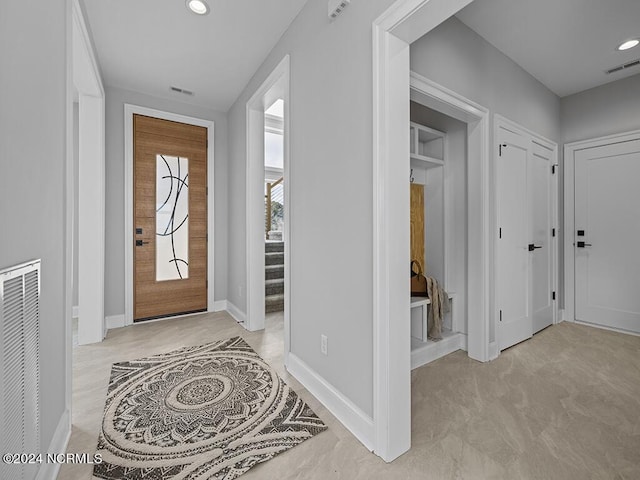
<point x="170" y="218"/>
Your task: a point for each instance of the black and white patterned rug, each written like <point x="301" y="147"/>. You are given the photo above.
<point x="207" y="412"/>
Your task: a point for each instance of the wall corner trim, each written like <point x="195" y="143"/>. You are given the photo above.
<point x="115" y="321"/>
<point x="351" y="416"/>
<point x="219" y="306"/>
<point x="494" y="351"/>
<point x="58" y="444"/>
<point x="236" y="313"/>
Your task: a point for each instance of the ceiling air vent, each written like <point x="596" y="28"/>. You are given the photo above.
<point x="336" y="7"/>
<point x="181" y="90"/>
<point x="633" y="63"/>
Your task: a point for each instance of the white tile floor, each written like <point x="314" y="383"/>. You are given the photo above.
<point x="564" y="405"/>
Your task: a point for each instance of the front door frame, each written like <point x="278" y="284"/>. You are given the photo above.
<point x="129" y="111"/>
<point x="569" y="211"/>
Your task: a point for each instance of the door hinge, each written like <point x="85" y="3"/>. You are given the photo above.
<point x="553" y="169"/>
<point x="553" y="295"/>
<point x="500" y="148"/>
<point x="553" y="232"/>
<point x="500" y="315"/>
<point x="500" y="232"/>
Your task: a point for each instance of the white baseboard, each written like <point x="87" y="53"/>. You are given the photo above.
<point x="434" y="350"/>
<point x="236" y="313"/>
<point x="219" y="306"/>
<point x="74" y="313"/>
<point x="114" y="321"/>
<point x="494" y="351"/>
<point x="351" y="416"/>
<point x="58" y="444"/>
<point x="610" y="329"/>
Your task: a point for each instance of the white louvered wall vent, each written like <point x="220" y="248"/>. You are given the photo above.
<point x="20" y="368"/>
<point x="336" y="7"/>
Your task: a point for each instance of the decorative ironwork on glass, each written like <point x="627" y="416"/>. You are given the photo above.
<point x="172" y="218"/>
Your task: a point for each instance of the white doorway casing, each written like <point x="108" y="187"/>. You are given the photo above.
<point x="129" y="112"/>
<point x="275" y="86"/>
<point x="83" y="77"/>
<point x="480" y="343"/>
<point x="400" y="25"/>
<point x="90" y="183"/>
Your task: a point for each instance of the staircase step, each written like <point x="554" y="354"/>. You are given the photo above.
<point x="274" y="303"/>
<point x="274" y="258"/>
<point x="273" y="247"/>
<point x="274" y="287"/>
<point x="272" y="272"/>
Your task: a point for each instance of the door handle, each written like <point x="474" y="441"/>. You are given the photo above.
<point x="533" y="247"/>
<point x="582" y="245"/>
<point x="140" y="243"/>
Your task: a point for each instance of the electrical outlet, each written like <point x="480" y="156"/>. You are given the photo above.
<point x="323" y="345"/>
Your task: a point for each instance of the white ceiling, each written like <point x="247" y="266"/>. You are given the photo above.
<point x="150" y="45"/>
<point x="566" y="44"/>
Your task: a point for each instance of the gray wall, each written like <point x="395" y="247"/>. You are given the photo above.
<point x="33" y="122"/>
<point x="331" y="234"/>
<point x="605" y="110"/>
<point x="114" y="268"/>
<point x="455" y="56"/>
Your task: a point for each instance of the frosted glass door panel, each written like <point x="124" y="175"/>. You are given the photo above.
<point x="172" y="218"/>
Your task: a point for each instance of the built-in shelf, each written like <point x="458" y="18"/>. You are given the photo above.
<point x="427" y="152"/>
<point x="426" y="162"/>
<point x="419" y="329"/>
<point x="427" y="145"/>
<point x="426" y="352"/>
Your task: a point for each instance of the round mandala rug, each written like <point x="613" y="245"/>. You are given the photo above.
<point x="207" y="412"/>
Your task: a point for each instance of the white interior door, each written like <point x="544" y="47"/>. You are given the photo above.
<point x="541" y="196"/>
<point x="513" y="282"/>
<point x="525" y="254"/>
<point x="607" y="220"/>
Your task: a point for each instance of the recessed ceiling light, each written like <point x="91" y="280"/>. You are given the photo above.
<point x="198" y="7"/>
<point x="628" y="44"/>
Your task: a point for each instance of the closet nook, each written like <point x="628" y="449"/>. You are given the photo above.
<point x="433" y="232"/>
